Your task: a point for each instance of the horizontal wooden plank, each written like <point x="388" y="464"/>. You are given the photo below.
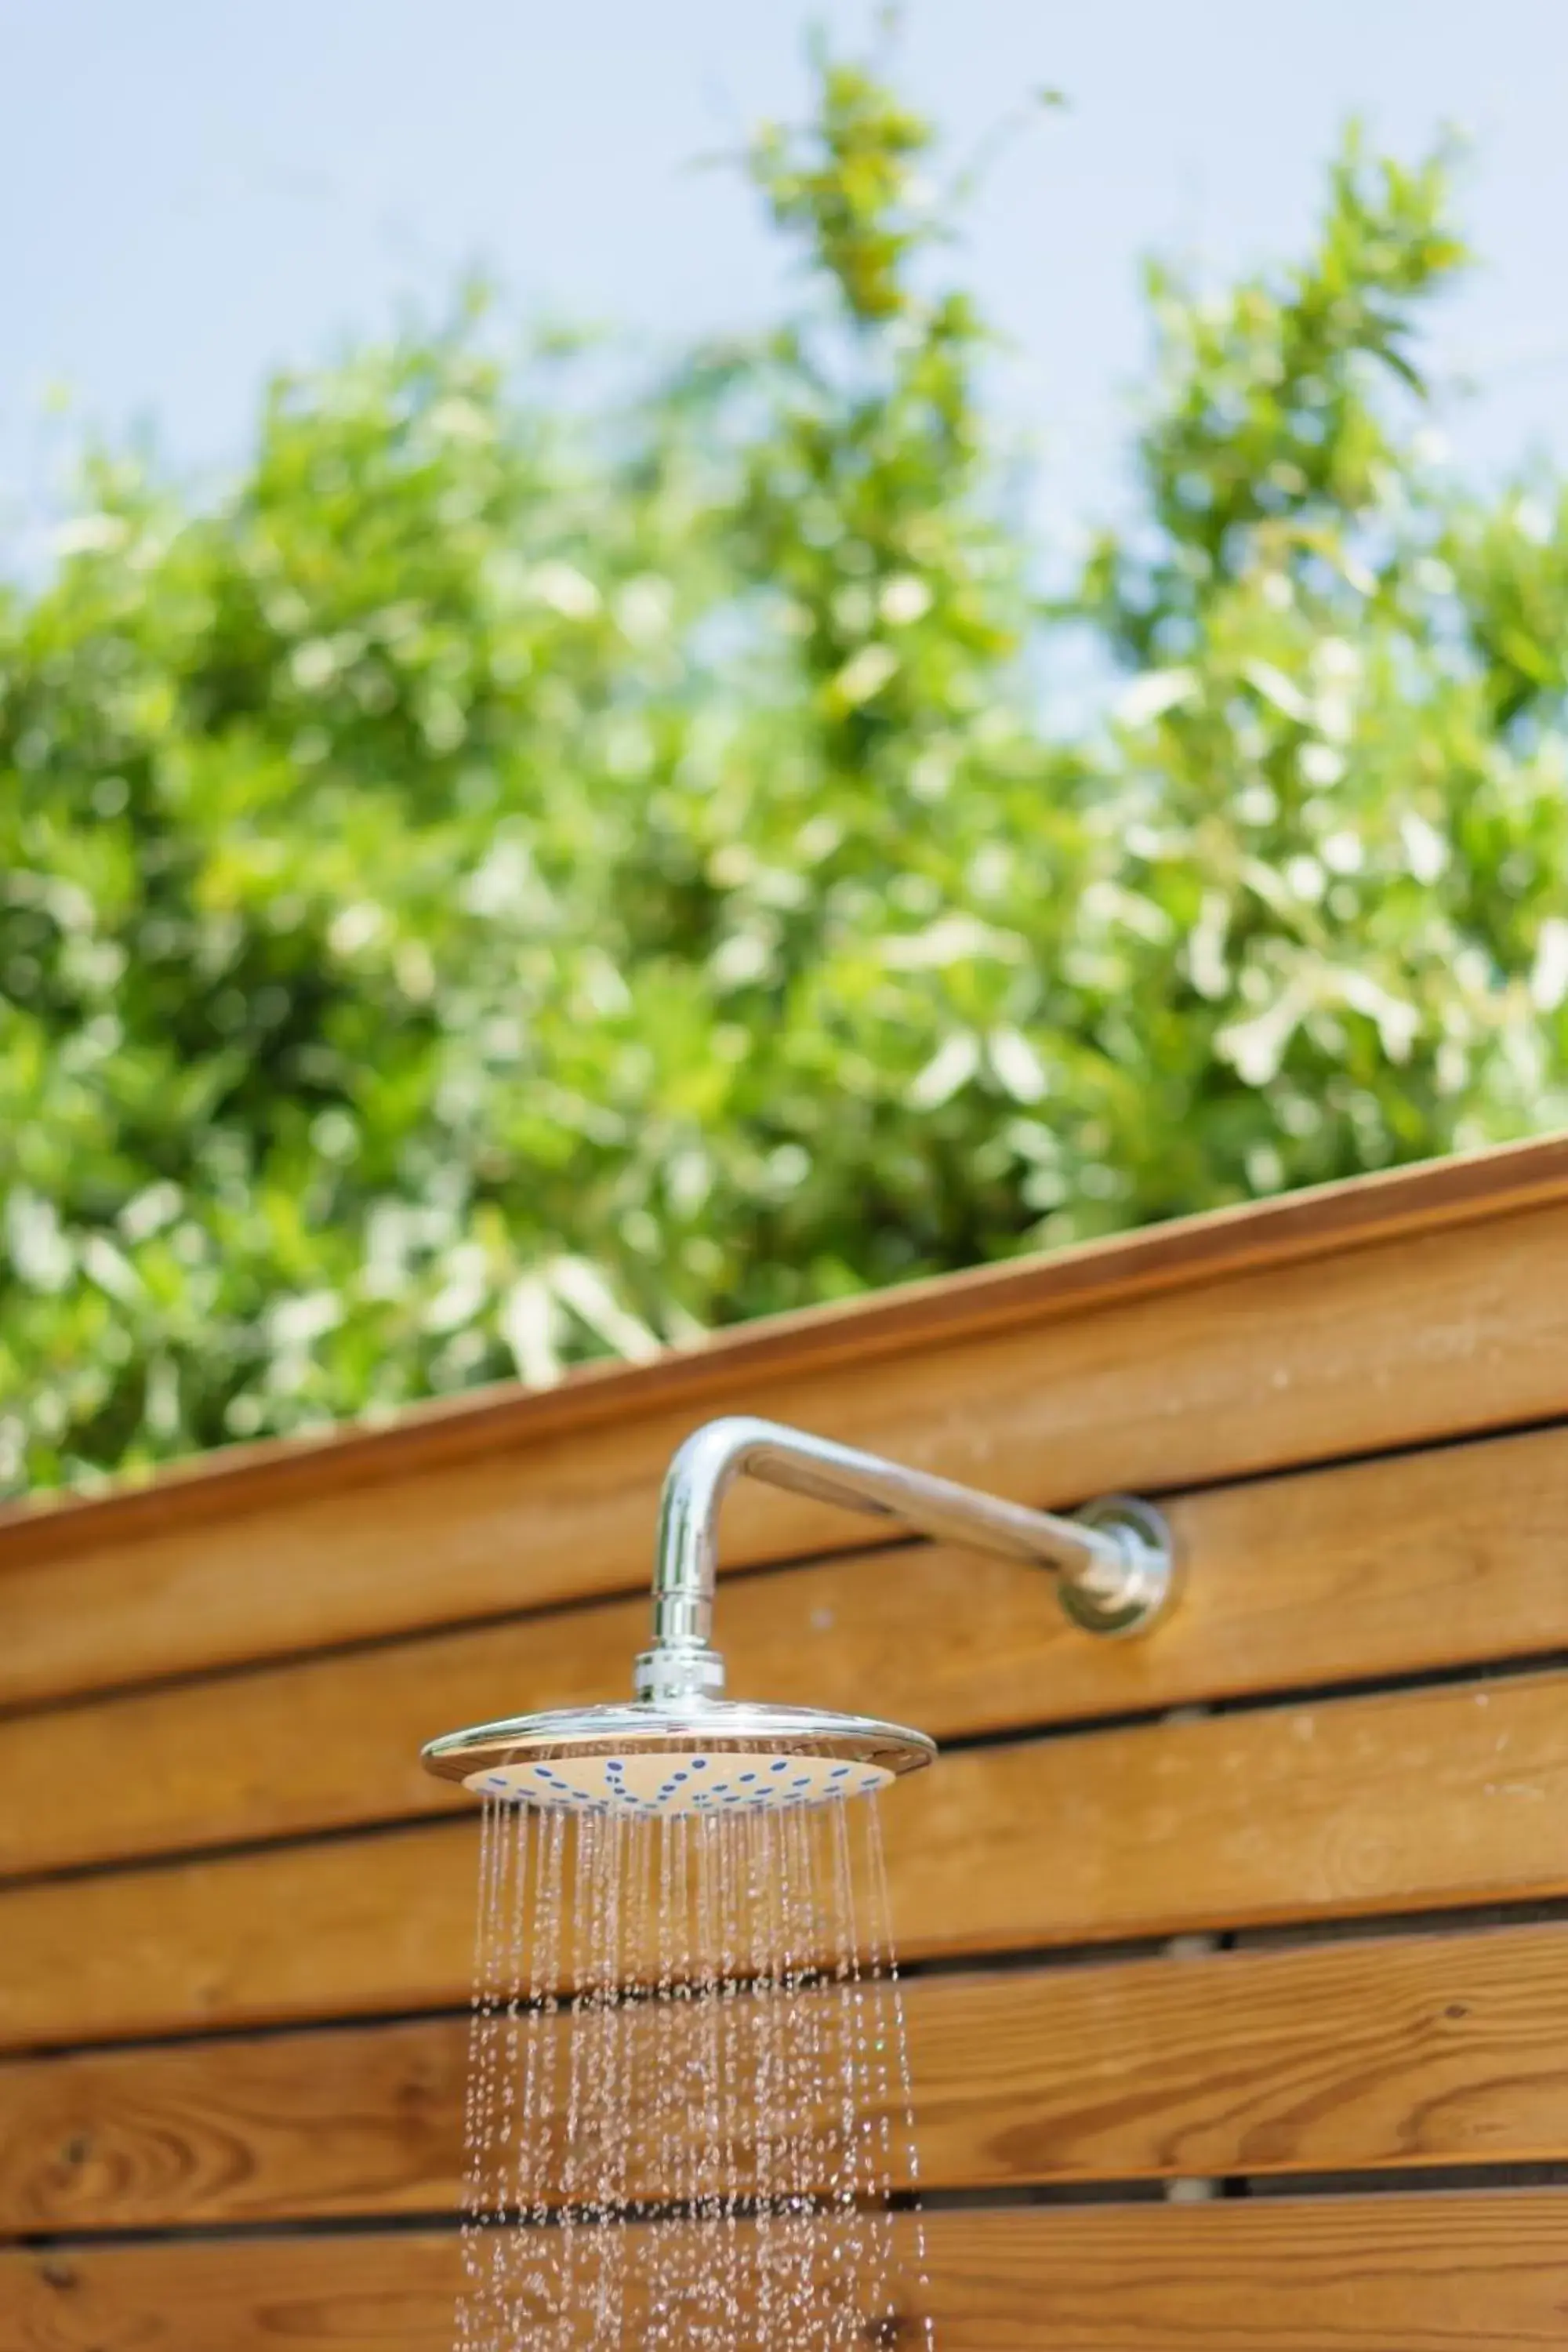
<point x="1422" y="1798"/>
<point x="1423" y="1328"/>
<point x="1386" y="2051"/>
<point x="1385" y="2273"/>
<point x="1409" y="1563"/>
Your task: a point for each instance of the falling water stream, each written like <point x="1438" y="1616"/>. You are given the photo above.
<point x="689" y="2114"/>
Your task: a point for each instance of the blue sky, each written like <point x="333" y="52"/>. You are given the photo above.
<point x="196" y="193"/>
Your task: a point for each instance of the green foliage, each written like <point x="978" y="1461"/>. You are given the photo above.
<point x="507" y="881"/>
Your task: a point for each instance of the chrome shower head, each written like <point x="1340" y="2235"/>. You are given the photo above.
<point x="680" y="1748"/>
<point x="706" y="1757"/>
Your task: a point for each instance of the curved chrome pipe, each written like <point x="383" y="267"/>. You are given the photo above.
<point x="1115" y="1562"/>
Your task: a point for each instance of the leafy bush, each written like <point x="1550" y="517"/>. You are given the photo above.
<point x="510" y="878"/>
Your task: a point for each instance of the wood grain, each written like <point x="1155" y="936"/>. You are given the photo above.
<point x="1391" y="2052"/>
<point x="1409" y="1563"/>
<point x="1418" y="1799"/>
<point x="1385" y="2273"/>
<point x="1442" y="1330"/>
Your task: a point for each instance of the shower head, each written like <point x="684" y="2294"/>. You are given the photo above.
<point x="680" y="1748"/>
<point x="706" y="1757"/>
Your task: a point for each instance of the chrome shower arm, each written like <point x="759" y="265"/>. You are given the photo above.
<point x="1113" y="1563"/>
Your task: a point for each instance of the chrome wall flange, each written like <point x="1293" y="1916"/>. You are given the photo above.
<point x="1129" y="1595"/>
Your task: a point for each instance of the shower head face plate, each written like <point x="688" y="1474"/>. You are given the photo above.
<point x="705" y="1758"/>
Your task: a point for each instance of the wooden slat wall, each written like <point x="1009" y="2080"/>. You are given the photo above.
<point x="1455" y="1796"/>
<point x="1299" y="1582"/>
<point x="1275" y="1902"/>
